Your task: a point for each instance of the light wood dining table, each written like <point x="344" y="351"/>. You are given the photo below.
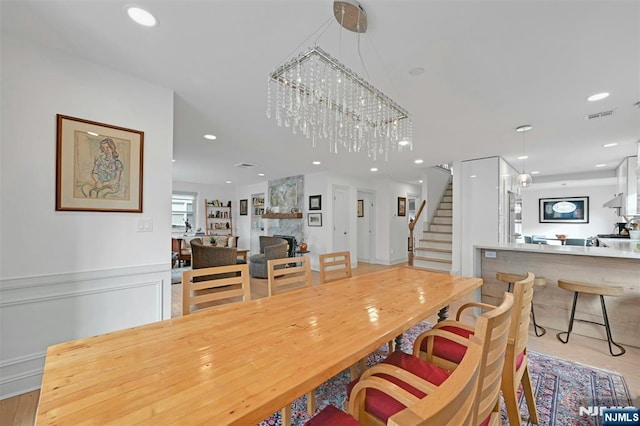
<point x="238" y="363"/>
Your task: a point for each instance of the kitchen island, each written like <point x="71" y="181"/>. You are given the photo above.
<point x="615" y="266"/>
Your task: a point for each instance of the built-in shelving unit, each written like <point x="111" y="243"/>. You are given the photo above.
<point x="218" y="217"/>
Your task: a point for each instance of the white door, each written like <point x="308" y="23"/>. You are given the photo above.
<point x="340" y="219"/>
<point x="365" y="221"/>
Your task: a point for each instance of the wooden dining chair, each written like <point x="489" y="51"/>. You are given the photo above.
<point x="288" y="273"/>
<point x="210" y="287"/>
<point x="285" y="274"/>
<point x="415" y="379"/>
<point x="335" y="266"/>
<point x="448" y="353"/>
<point x="451" y="403"/>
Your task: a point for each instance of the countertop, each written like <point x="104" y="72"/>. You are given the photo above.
<point x="619" y="243"/>
<point x="627" y="251"/>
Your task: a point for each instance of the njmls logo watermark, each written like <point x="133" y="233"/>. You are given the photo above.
<point x="613" y="416"/>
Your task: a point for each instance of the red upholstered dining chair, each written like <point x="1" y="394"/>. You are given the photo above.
<point x="414" y="378"/>
<point x="451" y="403"/>
<point x="448" y="353"/>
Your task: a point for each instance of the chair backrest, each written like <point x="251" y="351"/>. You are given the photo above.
<point x="266" y="241"/>
<point x="335" y="266"/>
<point x="519" y="333"/>
<point x="493" y="330"/>
<point x="453" y="402"/>
<point x="538" y="239"/>
<point x="220" y="285"/>
<point x="207" y="256"/>
<point x="527" y="239"/>
<point x="575" y="242"/>
<point x="288" y="273"/>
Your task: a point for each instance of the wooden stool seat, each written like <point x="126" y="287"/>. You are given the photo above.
<point x="510" y="278"/>
<point x="597" y="290"/>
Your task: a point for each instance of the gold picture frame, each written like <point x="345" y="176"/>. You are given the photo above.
<point x="98" y="166"/>
<point x="402" y="206"/>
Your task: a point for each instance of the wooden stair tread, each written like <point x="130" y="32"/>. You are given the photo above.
<point x="432" y="259"/>
<point x="441" y="250"/>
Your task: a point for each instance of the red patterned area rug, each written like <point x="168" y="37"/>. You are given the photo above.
<point x="567" y="393"/>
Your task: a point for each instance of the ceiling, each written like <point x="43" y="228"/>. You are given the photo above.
<point x="489" y="66"/>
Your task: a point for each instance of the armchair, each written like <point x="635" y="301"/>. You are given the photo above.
<point x="270" y="248"/>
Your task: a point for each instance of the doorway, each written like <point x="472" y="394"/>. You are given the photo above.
<point x="366" y="226"/>
<point x="341" y="218"/>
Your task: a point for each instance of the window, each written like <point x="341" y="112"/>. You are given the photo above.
<point x="182" y="211"/>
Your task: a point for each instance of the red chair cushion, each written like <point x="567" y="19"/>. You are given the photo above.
<point x="331" y="416"/>
<point x="383" y="406"/>
<point x="445" y="348"/>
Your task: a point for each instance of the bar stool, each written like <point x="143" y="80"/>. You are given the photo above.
<point x="511" y="278"/>
<point x="599" y="290"/>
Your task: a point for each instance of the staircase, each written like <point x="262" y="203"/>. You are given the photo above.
<point x="433" y="250"/>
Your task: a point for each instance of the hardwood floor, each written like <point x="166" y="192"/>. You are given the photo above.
<point x="21" y="410"/>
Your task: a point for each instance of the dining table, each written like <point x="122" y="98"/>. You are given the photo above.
<point x="241" y="362"/>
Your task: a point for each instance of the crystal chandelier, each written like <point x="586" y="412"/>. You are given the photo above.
<point x="316" y="95"/>
<point x="524" y="179"/>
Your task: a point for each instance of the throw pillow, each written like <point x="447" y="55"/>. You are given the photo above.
<point x="232" y="241"/>
<point x="222" y="241"/>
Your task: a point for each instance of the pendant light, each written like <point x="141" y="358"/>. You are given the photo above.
<point x="524" y="179"/>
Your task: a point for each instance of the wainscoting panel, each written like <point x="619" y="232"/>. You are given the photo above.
<point x="37" y="312"/>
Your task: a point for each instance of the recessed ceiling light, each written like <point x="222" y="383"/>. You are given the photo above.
<point x="142" y="17"/>
<point x="416" y="71"/>
<point x="210" y="137"/>
<point x="598" y="96"/>
<point x="609" y="145"/>
<point x="420" y="181"/>
<point x="601" y="165"/>
<point x="316" y="163"/>
<point x="173" y="161"/>
<point x="403" y="143"/>
<point x="523" y="157"/>
<point x="535" y="173"/>
<point x="524" y="128"/>
<point x="473" y="176"/>
<point x="227" y="181"/>
<point x="419" y="161"/>
<point x="260" y="174"/>
<point x="374" y="169"/>
<point x="637" y="105"/>
<point x="93" y="133"/>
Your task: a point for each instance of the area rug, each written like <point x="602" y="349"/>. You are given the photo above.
<point x="176" y="274"/>
<point x="561" y="387"/>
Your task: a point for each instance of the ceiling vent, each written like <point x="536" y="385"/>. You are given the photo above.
<point x="244" y="165"/>
<point x="602" y="114"/>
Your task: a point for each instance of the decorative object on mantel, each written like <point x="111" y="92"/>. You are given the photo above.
<point x="98" y="166"/>
<point x="318" y="96"/>
<point x="524" y="178"/>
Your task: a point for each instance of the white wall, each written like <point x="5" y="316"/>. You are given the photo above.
<point x="478" y="206"/>
<point x="601" y="219"/>
<point x="66" y="275"/>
